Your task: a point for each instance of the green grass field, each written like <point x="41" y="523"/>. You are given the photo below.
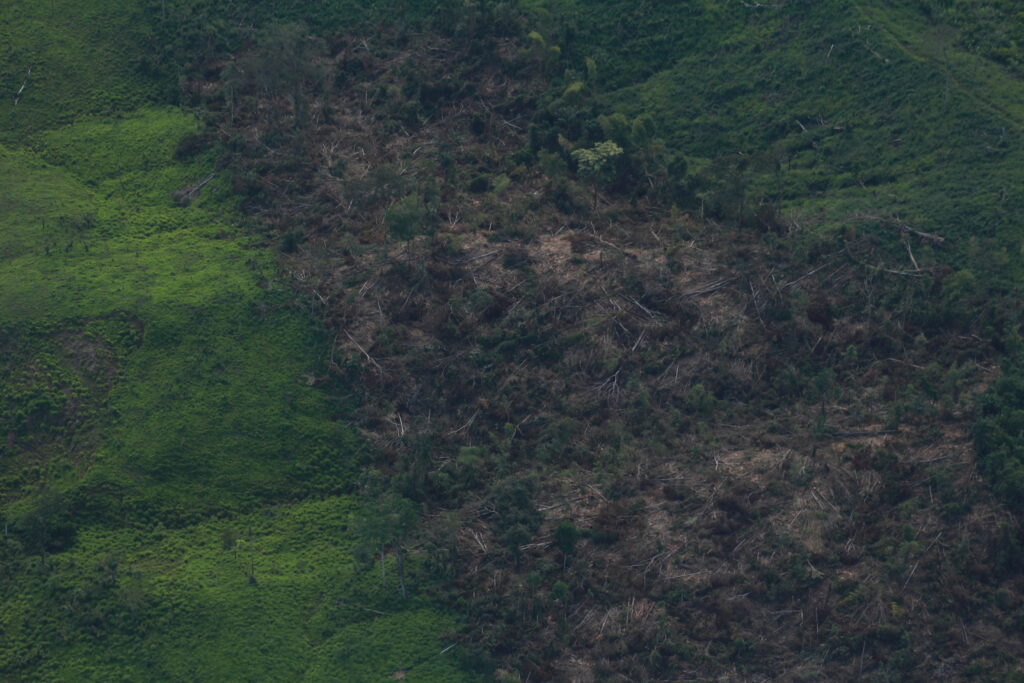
<point x="179" y="605"/>
<point x="163" y="441"/>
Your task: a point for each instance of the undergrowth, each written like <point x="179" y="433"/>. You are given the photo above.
<point x="174" y="473"/>
<point x="827" y="112"/>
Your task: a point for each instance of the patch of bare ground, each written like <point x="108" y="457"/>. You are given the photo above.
<point x="721" y="533"/>
<point x="650" y="446"/>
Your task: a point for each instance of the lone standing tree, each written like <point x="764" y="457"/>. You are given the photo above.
<point x="388" y="524"/>
<point x="595" y="163"/>
<point x="285" y="63"/>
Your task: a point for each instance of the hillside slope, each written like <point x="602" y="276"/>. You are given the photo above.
<point x="828" y="110"/>
<point x="670" y="425"/>
<point x="482" y="340"/>
<point x="175" y="489"/>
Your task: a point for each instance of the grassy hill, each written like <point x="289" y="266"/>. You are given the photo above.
<point x="175" y="477"/>
<point x="72" y="59"/>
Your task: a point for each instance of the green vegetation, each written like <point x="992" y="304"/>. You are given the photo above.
<point x="999" y="433"/>
<point x="828" y="111"/>
<point x="463" y="340"/>
<point x="273" y="594"/>
<point x="73" y="58"/>
<point x="212" y="345"/>
<point x="174" y="473"/>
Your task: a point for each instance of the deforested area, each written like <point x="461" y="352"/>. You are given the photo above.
<point x="511" y="341"/>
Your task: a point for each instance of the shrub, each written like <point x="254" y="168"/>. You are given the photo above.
<point x="44" y="526"/>
<point x="516" y="517"/>
<point x="999" y="435"/>
<point x="409" y="217"/>
<point x="567" y="536"/>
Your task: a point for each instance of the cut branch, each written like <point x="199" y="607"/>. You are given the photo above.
<point x="380" y="370"/>
<point x="900" y="225"/>
<point x="24" y="83"/>
<point x="185" y="195"/>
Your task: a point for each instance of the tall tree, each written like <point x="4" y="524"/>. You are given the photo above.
<point x="388" y="525"/>
<point x="284" y="63"/>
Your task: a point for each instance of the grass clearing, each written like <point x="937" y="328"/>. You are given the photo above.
<point x="192" y="415"/>
<point x="179" y="605"/>
<point x="74" y="58"/>
<point x="155" y="389"/>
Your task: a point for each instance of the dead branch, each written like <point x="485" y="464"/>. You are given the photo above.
<point x="380" y="370"/>
<point x="468" y="423"/>
<point x="470" y="259"/>
<point x="17" y="95"/>
<point x="707" y="289"/>
<point x="753" y="300"/>
<point x="643" y="308"/>
<point x="805" y="275"/>
<point x="185" y="195"/>
<point x="911" y="253"/>
<point x="896" y="222"/>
